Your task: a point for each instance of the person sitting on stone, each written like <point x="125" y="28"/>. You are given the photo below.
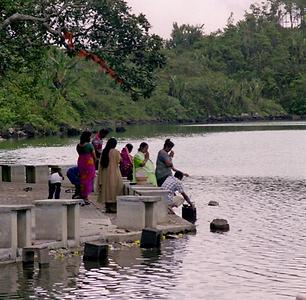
<point x="174" y="185"/>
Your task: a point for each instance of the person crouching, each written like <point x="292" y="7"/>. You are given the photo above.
<point x="174" y="185"/>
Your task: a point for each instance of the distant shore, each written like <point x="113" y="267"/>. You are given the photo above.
<point x="28" y="130"/>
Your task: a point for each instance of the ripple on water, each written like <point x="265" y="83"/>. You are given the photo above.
<point x="261" y="257"/>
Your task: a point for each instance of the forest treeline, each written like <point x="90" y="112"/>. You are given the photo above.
<point x="255" y="67"/>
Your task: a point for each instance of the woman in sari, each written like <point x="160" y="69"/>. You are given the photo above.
<point x="86" y="165"/>
<point x="126" y="163"/>
<point x="143" y="166"/>
<point x="109" y="179"/>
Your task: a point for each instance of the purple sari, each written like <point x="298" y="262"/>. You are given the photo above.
<point x="87" y="170"/>
<point x="126" y="164"/>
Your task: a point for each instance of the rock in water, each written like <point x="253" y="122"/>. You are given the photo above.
<point x="213" y="203"/>
<point x="219" y="225"/>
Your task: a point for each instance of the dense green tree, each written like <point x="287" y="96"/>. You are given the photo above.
<point x="185" y="35"/>
<point x="256" y="67"/>
<point x="104" y="28"/>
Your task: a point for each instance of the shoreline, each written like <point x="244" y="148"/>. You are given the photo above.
<point x="28" y="131"/>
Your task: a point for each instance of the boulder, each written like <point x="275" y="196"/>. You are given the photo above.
<point x="120" y="129"/>
<point x="213" y="203"/>
<point x="219" y="225"/>
<point x="29" y="130"/>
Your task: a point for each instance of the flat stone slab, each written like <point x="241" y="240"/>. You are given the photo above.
<point x="7" y="208"/>
<point x="139" y="198"/>
<point x="53" y="202"/>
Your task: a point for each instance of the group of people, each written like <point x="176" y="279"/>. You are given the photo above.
<point x="112" y="165"/>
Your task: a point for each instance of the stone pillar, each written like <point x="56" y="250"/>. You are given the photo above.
<point x="162" y="211"/>
<point x="130" y="213"/>
<point x="24" y="228"/>
<point x="51" y="222"/>
<point x="137" y="212"/>
<point x="15" y="228"/>
<point x="6" y="173"/>
<point x="30" y="174"/>
<point x="18" y="174"/>
<point x="57" y="220"/>
<point x="73" y="223"/>
<point x="42" y="174"/>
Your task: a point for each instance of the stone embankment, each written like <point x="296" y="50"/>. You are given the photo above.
<point x="28" y="220"/>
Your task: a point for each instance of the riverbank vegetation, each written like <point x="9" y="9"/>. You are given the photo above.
<point x="256" y="67"/>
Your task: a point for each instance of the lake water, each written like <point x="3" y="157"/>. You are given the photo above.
<point x="256" y="172"/>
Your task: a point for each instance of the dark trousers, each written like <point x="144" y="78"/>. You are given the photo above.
<point x="54" y="189"/>
<point x="77" y="192"/>
<point x="160" y="181"/>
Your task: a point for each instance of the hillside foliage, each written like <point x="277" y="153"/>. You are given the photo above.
<point x="254" y="67"/>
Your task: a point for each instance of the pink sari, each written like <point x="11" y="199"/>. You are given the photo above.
<point x="126" y="163"/>
<point x="87" y="171"/>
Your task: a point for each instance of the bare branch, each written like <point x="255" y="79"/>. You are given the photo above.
<point x="20" y="17"/>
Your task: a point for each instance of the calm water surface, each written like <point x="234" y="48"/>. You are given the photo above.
<point x="256" y="172"/>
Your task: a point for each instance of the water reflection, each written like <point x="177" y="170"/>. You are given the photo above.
<point x="258" y="177"/>
<point x="261" y="257"/>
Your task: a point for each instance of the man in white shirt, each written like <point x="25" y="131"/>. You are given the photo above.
<point x="174" y="185"/>
<point x="55" y="182"/>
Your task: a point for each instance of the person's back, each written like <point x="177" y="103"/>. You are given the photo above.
<point x="73" y="175"/>
<point x="97" y="143"/>
<point x="173" y="185"/>
<point x="55" y="182"/>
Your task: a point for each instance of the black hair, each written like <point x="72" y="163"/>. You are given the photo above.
<point x="55" y="169"/>
<point x="111" y="144"/>
<point x="129" y="147"/>
<point x="85" y="137"/>
<point x="168" y="144"/>
<point x="103" y="132"/>
<point x="179" y="175"/>
<point x="142" y="145"/>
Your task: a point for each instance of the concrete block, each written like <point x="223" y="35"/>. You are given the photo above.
<point x="150" y="238"/>
<point x="51" y="223"/>
<point x="73" y="223"/>
<point x="58" y="220"/>
<point x="137" y="212"/>
<point x="42" y="174"/>
<point x="28" y="255"/>
<point x="15" y="227"/>
<point x="6" y="229"/>
<point x="43" y="256"/>
<point x="189" y="213"/>
<point x="95" y="251"/>
<point x="130" y="213"/>
<point x="162" y="209"/>
<point x="30" y="174"/>
<point x="24" y="232"/>
<point x="6" y="173"/>
<point x="18" y="174"/>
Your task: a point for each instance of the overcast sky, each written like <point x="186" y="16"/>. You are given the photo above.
<point x="212" y="13"/>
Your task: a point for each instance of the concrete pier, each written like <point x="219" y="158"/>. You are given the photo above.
<point x="63" y="223"/>
<point x="137" y="212"/>
<point x="162" y="210"/>
<point x="15" y="229"/>
<point x="58" y="220"/>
